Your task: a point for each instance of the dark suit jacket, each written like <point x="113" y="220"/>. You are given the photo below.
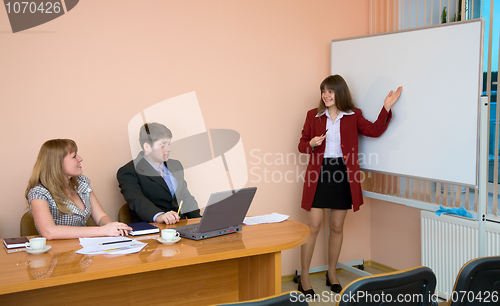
<point x="350" y="127"/>
<point x="147" y="194"/>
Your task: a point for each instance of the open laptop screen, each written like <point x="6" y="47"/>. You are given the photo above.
<point x="226" y="209"/>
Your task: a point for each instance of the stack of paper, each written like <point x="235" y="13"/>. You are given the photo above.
<point x="110" y="245"/>
<point x="271" y="218"/>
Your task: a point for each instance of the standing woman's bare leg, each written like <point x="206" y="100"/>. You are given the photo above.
<point x="336" y="223"/>
<point x="314" y="218"/>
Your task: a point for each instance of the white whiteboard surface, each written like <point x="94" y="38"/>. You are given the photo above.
<point x="434" y="130"/>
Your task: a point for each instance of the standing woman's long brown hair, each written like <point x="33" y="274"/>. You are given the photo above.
<point x="343" y="98"/>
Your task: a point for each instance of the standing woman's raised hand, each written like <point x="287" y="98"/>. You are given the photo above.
<point x="391" y="98"/>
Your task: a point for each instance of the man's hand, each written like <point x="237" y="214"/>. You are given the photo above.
<point x="170" y="217"/>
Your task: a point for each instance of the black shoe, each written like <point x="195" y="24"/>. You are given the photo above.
<point x="335" y="287"/>
<point x="308" y="293"/>
<point x="328" y="283"/>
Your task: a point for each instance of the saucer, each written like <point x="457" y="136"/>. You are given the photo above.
<point x="168" y="242"/>
<point x="36" y="252"/>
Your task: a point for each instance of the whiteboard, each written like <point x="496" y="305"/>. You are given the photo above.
<point x="434" y="130"/>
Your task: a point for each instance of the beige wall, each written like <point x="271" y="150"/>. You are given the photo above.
<point x="255" y="66"/>
<point x="395" y="235"/>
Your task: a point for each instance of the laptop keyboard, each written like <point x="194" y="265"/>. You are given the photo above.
<point x="193" y="229"/>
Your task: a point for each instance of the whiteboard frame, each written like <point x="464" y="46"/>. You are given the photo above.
<point x="473" y="184"/>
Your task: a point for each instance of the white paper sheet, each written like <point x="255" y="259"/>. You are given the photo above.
<point x="270" y="218"/>
<point x="95" y="246"/>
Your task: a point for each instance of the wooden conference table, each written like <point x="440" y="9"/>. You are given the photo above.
<point x="234" y="267"/>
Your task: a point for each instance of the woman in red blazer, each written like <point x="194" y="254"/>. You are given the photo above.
<point x="332" y="180"/>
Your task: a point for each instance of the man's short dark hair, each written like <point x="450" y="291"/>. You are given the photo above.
<point x="152" y="132"/>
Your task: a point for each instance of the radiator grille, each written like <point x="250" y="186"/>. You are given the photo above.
<point x="449" y="242"/>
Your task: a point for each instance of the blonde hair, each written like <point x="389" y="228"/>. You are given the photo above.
<point x="49" y="172"/>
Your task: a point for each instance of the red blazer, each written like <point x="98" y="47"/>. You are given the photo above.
<point x="350" y="127"/>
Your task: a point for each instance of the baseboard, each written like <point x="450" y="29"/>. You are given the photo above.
<point x="367" y="263"/>
<point x="289" y="278"/>
<point x="379" y="266"/>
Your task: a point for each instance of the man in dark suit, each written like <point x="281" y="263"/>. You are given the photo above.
<point x="152" y="184"/>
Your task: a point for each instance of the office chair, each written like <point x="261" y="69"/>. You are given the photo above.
<point x="408" y="287"/>
<point x="90" y="222"/>
<point x="478" y="283"/>
<point x="27" y="225"/>
<point x="124" y="214"/>
<point x="290" y="298"/>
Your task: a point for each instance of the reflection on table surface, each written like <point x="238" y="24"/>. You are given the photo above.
<point x="61" y="264"/>
<point x="48" y="265"/>
<point x="185" y="247"/>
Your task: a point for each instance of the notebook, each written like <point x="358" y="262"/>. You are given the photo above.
<point x="223" y="215"/>
<point x="19" y="242"/>
<point x="142" y="228"/>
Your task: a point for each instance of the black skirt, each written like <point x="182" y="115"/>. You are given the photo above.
<point x="333" y="190"/>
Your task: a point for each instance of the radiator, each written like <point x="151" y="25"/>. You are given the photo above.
<point x="449" y="242"/>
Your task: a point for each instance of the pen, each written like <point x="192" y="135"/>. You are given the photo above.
<point x="104" y="243"/>
<point x="179" y="210"/>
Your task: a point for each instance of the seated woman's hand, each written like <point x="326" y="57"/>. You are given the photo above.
<point x="114" y="229"/>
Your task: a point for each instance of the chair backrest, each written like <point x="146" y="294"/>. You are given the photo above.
<point x="408" y="287"/>
<point x="124" y="214"/>
<point x="478" y="283"/>
<point x="90" y="222"/>
<point x="291" y="298"/>
<point x="27" y="225"/>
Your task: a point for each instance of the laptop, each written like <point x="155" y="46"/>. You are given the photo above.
<point x="223" y="215"/>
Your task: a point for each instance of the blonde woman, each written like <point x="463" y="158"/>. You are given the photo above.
<point x="61" y="199"/>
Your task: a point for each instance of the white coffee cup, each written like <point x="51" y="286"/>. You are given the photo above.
<point x="37" y="243"/>
<point x="169" y="234"/>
